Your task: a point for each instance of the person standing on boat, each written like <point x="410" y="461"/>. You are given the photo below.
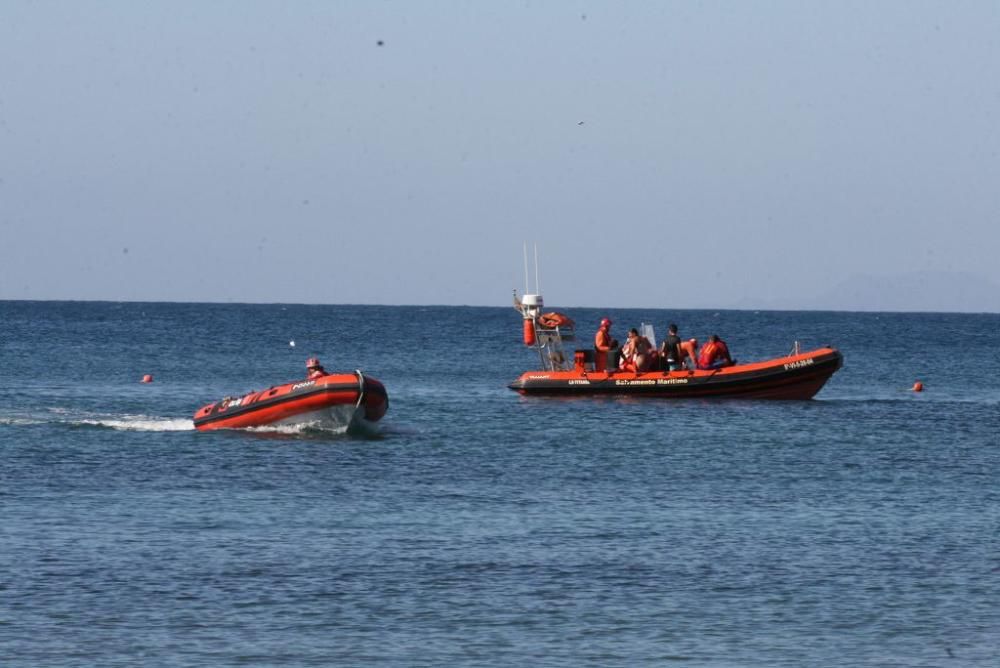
<point x="714" y="354"/>
<point x="670" y="350"/>
<point x="314" y="369"/>
<point x="602" y="344"/>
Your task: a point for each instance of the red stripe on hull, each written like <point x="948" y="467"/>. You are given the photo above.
<point x="284" y="402"/>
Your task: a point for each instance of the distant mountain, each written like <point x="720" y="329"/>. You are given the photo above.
<point x="914" y="291"/>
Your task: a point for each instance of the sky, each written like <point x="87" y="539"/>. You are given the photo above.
<point x="770" y="154"/>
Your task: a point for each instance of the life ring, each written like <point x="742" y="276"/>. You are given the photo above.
<point x="553" y="320"/>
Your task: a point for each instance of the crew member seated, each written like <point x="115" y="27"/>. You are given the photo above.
<point x="714" y="354"/>
<point x="314" y="369"/>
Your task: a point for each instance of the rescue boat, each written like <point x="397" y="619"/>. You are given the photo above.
<point x="338" y="399"/>
<point x="792" y="377"/>
<point x="799" y="375"/>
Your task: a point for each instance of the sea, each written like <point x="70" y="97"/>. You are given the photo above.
<point x="477" y="527"/>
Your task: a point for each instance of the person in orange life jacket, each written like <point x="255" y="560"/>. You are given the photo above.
<point x="636" y="352"/>
<point x="689" y="353"/>
<point x="670" y="350"/>
<point x="714" y="354"/>
<point x="602" y="344"/>
<point x="314" y="369"/>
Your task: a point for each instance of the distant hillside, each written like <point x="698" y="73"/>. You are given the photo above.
<point x="915" y="291"/>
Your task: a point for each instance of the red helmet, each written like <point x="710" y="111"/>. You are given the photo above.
<point x="311" y="362"/>
<point x="605" y="323"/>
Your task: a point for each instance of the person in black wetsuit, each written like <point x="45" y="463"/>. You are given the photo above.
<point x="670" y="350"/>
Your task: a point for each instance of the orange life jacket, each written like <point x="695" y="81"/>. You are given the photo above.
<point x="713" y="351"/>
<point x="708" y="354"/>
<point x="602" y="340"/>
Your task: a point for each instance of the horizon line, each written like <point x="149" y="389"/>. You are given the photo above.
<point x="430" y="305"/>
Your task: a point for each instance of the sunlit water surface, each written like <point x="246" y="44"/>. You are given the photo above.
<point x="480" y="528"/>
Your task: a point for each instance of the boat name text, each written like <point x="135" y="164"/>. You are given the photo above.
<point x="798" y="364"/>
<point x="653" y="381"/>
<point x="298" y="386"/>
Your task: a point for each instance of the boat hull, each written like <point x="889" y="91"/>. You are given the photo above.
<point x="794" y="377"/>
<point x="335" y="399"/>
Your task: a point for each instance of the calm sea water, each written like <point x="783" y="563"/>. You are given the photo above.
<point x="480" y="528"/>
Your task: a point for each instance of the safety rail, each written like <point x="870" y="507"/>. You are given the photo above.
<point x="551" y="352"/>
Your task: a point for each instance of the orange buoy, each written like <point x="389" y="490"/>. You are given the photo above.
<point x="148" y="378"/>
<point x="918" y="386"/>
<point x="529" y="333"/>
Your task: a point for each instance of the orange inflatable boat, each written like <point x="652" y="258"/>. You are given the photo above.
<point x="799" y="375"/>
<point x="793" y="377"/>
<point x="342" y="399"/>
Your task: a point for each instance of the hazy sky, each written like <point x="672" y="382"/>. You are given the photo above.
<point x="661" y="154"/>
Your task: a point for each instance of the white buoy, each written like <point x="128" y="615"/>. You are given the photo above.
<point x="291" y="343"/>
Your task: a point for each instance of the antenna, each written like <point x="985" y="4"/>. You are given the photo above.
<point x="527" y="289"/>
<point x="538" y="288"/>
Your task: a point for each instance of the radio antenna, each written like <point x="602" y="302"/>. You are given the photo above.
<point x="527" y="288"/>
<point x="538" y="287"/>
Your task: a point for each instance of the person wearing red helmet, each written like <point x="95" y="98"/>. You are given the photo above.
<point x="602" y="344"/>
<point x="314" y="369"/>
